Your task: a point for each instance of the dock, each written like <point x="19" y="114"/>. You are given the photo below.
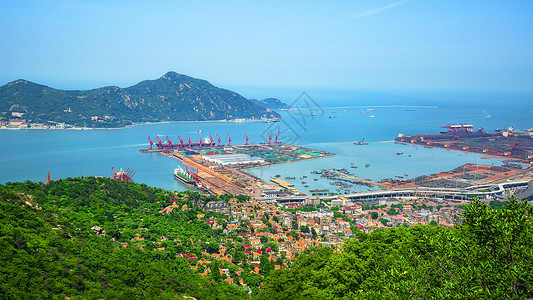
<point x="282" y="183"/>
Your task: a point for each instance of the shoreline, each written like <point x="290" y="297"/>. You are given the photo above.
<point x="133" y="125"/>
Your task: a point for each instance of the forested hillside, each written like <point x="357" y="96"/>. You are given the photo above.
<point x="52" y="249"/>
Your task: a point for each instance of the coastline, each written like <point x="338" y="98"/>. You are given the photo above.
<point x="133" y="125"/>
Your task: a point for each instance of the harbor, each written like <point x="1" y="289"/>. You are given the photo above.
<point x="219" y="169"/>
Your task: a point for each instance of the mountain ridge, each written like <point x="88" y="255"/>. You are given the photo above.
<point x="172" y="97"/>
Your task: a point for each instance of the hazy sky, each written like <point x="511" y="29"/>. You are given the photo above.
<point x="412" y="44"/>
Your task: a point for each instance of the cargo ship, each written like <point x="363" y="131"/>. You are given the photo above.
<point x="183" y="176"/>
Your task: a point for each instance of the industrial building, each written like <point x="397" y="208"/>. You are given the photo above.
<point x="233" y="159"/>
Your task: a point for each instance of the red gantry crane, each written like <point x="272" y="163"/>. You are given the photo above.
<point x="276" y="138"/>
<point x="229" y="139"/>
<point x="269" y="138"/>
<point x="123" y="175"/>
<point x="218" y="139"/>
<point x="211" y="141"/>
<point x="246" y="137"/>
<point x="181" y="141"/>
<point x="200" y="140"/>
<point x="169" y="143"/>
<point x="159" y="143"/>
<point x="188" y="140"/>
<point x="151" y="142"/>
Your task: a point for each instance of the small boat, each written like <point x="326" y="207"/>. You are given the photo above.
<point x="331" y="116"/>
<point x="361" y="142"/>
<point x="367" y="165"/>
<point x="399" y="153"/>
<point x="371" y="116"/>
<point x="306" y="186"/>
<point x="370" y="109"/>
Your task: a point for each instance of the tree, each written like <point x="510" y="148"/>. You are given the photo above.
<point x="215" y="270"/>
<point x="304" y="229"/>
<point x="374" y="215"/>
<point x="433" y="223"/>
<point x="272" y="245"/>
<point x="212" y="247"/>
<point x="264" y="265"/>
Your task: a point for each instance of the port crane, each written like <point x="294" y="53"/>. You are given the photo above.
<point x="246" y="137"/>
<point x="211" y="141"/>
<point x="123" y="175"/>
<point x="218" y="139"/>
<point x="169" y="143"/>
<point x="151" y="142"/>
<point x="181" y="141"/>
<point x="159" y="143"/>
<point x="200" y="140"/>
<point x="189" y="140"/>
<point x="269" y="137"/>
<point x="276" y="138"/>
<point x="229" y="139"/>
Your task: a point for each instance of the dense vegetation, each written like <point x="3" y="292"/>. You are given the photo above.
<point x="51" y="249"/>
<point x="173" y="97"/>
<point x="97" y="238"/>
<point x="271" y="103"/>
<point x="489" y="257"/>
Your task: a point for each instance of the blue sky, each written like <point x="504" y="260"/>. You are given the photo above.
<point x="413" y="45"/>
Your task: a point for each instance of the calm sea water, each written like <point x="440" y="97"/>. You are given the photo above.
<point x="326" y="120"/>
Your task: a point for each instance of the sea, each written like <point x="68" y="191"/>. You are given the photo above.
<point x="321" y="119"/>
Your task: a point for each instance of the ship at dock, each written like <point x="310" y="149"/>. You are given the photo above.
<point x="184" y="177"/>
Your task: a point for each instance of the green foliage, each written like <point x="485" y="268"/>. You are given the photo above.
<point x="489" y="257"/>
<point x="392" y="212"/>
<point x="172" y="97"/>
<point x="50" y="251"/>
<point x="383" y="221"/>
<point x="495" y="204"/>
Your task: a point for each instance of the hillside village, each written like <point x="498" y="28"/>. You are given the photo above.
<point x="265" y="235"/>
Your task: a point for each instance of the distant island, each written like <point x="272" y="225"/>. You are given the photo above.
<point x="271" y="103"/>
<point x="172" y="97"/>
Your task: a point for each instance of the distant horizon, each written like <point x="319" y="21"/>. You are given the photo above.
<point x="268" y="91"/>
<point x="363" y="45"/>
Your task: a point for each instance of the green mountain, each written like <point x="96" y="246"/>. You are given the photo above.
<point x="173" y="97"/>
<point x="271" y="103"/>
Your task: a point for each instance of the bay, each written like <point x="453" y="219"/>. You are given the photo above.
<point x="329" y="121"/>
